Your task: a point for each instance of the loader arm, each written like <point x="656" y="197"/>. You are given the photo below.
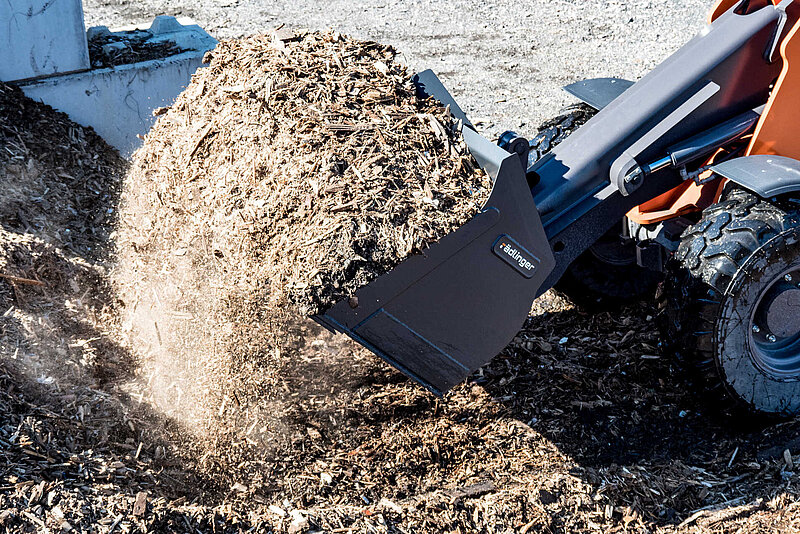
<point x="440" y="315"/>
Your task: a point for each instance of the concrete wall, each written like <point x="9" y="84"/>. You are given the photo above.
<point x="43" y="50"/>
<point x="118" y="102"/>
<point x="41" y="38"/>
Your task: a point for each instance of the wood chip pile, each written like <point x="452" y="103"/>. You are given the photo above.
<point x="59" y="192"/>
<point x="70" y="455"/>
<point x="128" y="47"/>
<point x="293" y="170"/>
<point x="303" y="161"/>
<point x="54" y="175"/>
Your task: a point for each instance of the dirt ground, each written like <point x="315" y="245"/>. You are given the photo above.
<point x="580" y="425"/>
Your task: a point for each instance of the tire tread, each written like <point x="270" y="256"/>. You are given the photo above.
<point x="709" y="256"/>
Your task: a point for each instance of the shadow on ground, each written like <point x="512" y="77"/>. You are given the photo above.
<point x="641" y="433"/>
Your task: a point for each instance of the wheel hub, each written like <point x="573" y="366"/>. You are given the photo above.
<point x="783" y="313"/>
<point x="775" y="327"/>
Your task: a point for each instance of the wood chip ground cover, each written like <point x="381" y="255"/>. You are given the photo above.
<point x="580" y="425"/>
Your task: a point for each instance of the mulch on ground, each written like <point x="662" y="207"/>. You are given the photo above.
<point x="580" y="425"/>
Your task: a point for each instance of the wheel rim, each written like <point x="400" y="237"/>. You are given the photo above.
<point x="775" y="327"/>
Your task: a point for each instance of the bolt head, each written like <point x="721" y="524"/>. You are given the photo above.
<point x="788" y="277"/>
<point x="634" y="176"/>
<point x="771" y="338"/>
<point x="756" y="329"/>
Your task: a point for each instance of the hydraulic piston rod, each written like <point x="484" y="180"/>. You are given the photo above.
<point x="699" y="145"/>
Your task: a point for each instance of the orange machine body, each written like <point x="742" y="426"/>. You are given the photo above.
<point x="775" y="133"/>
<point x="724" y="5"/>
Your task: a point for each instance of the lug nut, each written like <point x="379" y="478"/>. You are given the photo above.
<point x="771" y="338"/>
<point x="788" y="277"/>
<point x="756" y="329"/>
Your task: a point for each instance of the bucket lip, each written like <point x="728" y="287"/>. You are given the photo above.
<point x="488" y="155"/>
<point x="428" y="84"/>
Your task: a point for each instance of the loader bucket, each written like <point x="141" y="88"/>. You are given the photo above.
<point x="440" y="315"/>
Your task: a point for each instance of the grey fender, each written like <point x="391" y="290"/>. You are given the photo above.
<point x="598" y="92"/>
<point x="767" y="176"/>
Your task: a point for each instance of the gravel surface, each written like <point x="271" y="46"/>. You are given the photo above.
<point x="504" y="61"/>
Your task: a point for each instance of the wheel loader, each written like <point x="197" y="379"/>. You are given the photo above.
<point x="684" y="185"/>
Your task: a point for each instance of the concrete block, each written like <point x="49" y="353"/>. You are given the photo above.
<point x="182" y="31"/>
<point x="165" y="24"/>
<point x="41" y="38"/>
<point x="118" y="102"/>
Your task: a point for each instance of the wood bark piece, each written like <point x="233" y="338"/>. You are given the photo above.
<point x="140" y="504"/>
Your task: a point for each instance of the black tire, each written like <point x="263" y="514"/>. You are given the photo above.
<point x="730" y="304"/>
<point x="607" y="275"/>
<point x="554" y="131"/>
